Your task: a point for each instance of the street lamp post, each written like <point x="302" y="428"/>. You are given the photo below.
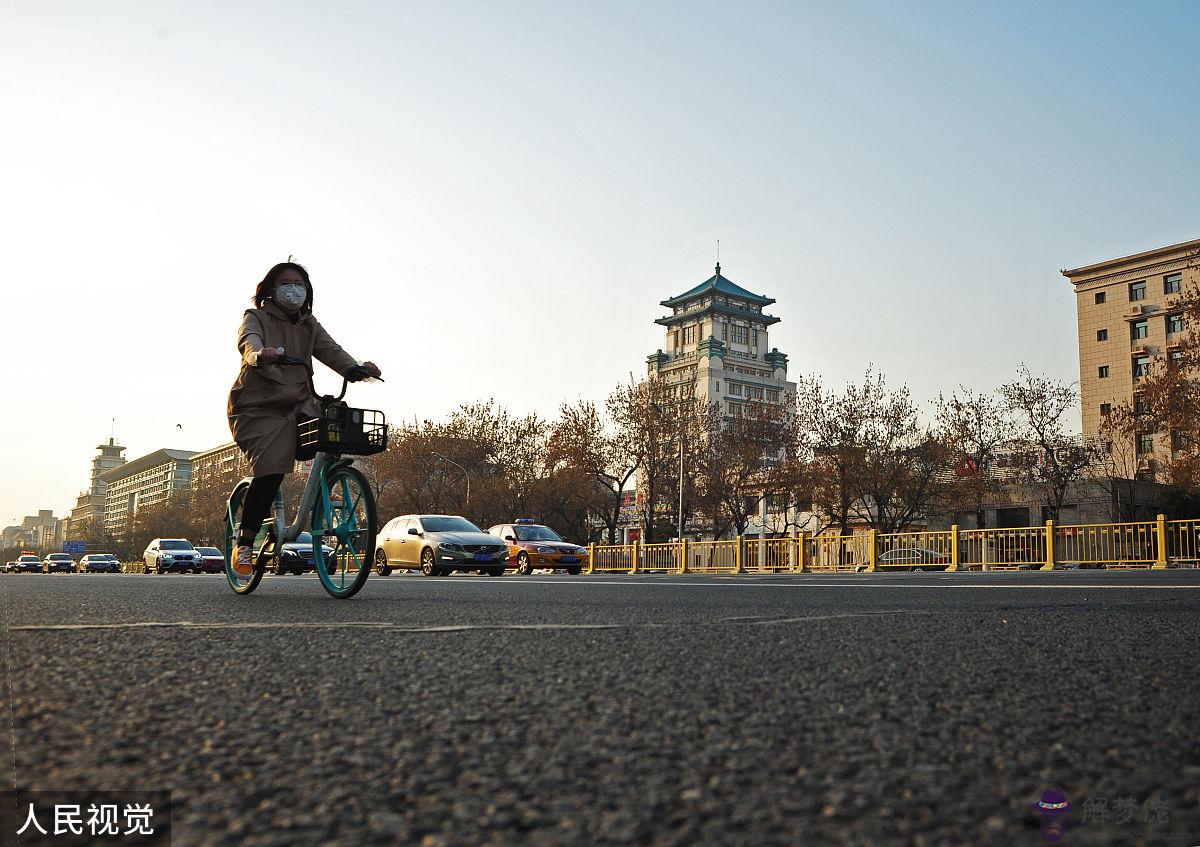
<point x="438" y="455"/>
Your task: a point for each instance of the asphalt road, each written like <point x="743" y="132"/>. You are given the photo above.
<point x="680" y="710"/>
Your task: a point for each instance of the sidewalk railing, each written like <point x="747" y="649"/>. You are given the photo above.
<point x="1139" y="544"/>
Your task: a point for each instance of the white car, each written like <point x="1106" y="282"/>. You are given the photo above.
<point x="172" y="554"/>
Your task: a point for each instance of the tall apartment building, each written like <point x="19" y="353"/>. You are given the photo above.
<point x="219" y="460"/>
<point x="717" y="336"/>
<point x="1128" y="316"/>
<point x="144" y="481"/>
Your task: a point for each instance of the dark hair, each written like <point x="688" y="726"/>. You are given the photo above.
<point x="265" y="288"/>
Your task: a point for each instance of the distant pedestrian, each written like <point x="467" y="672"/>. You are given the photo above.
<point x="269" y="397"/>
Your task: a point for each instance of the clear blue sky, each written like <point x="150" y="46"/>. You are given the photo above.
<point x="492" y="198"/>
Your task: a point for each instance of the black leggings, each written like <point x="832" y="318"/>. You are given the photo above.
<point x="257" y="505"/>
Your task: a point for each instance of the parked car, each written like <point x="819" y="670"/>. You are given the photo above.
<point x="60" y="562"/>
<point x="99" y="563"/>
<point x="297" y="556"/>
<point x="212" y="560"/>
<point x="532" y="545"/>
<point x="171" y="554"/>
<point x="914" y="558"/>
<point x="29" y="564"/>
<point x="437" y="545"/>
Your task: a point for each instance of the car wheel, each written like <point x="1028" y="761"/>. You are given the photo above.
<point x="574" y="571"/>
<point x="495" y="571"/>
<point x="381" y="565"/>
<point x="428" y="566"/>
<point x="277" y="568"/>
<point x="523" y="566"/>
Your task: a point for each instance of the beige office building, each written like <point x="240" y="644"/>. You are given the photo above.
<point x="1127" y="320"/>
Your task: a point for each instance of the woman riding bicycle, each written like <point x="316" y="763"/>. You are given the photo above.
<point x="269" y="398"/>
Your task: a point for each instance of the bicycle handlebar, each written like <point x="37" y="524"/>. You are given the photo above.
<point x="355" y="374"/>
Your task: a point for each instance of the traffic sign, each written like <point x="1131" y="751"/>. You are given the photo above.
<point x="74" y="546"/>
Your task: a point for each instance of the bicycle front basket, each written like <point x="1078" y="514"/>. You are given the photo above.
<point x="344" y="430"/>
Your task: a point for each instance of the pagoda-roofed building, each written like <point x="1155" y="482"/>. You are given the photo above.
<point x="717" y="336"/>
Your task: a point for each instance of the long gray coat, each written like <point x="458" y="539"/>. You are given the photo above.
<point x="266" y="401"/>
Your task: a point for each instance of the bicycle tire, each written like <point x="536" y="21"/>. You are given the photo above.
<point x="343" y="525"/>
<point x="233" y="508"/>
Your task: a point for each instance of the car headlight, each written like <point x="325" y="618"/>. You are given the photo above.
<point x="549" y="550"/>
<point x="446" y="545"/>
<point x="582" y="551"/>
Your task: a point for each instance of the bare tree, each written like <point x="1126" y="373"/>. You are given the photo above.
<point x="1049" y="458"/>
<point x="975" y="426"/>
<point x="607" y="452"/>
<point x="871" y="458"/>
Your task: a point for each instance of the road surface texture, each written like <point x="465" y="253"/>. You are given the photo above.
<point x="602" y="710"/>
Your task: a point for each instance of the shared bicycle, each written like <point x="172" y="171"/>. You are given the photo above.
<point x="337" y="506"/>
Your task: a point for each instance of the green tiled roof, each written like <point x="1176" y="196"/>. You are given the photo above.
<point x="719" y="284"/>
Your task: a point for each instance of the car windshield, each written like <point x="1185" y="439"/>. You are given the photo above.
<point x="175" y="545"/>
<point x="59" y="556"/>
<point x="536" y="533"/>
<point x="303" y="538"/>
<point x="448" y="525"/>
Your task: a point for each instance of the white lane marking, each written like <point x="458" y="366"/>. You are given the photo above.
<point x="384" y="626"/>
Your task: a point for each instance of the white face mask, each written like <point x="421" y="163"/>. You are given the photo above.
<point x="290" y="295"/>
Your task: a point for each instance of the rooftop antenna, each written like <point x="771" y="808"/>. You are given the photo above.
<point x="718" y="257"/>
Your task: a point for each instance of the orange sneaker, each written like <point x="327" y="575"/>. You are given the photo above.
<point x="243" y="561"/>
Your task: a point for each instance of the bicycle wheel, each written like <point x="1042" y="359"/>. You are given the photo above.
<point x="344" y="520"/>
<point x="233" y="509"/>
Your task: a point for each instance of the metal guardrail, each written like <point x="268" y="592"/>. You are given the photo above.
<point x="1140" y="544"/>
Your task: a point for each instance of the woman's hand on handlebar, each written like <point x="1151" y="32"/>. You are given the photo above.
<point x="270" y="355"/>
<point x="367" y="370"/>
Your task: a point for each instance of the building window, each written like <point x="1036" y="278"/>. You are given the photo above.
<point x="718" y="386"/>
<point x="1172" y="283"/>
<point x="724" y="330"/>
<point x="1106" y="409"/>
<point x="1174" y="324"/>
<point x="773" y="396"/>
<point x="754" y="338"/>
<point x="1103" y="372"/>
<point x="735" y="389"/>
<point x="1141" y="366"/>
<point x="1099" y="297"/>
<point x="1141" y="406"/>
<point x="689" y="334"/>
<point x="1137" y="290"/>
<point x="1145" y="443"/>
<point x="1181" y="441"/>
<point x="735" y="409"/>
<point x="740" y="334"/>
<point x="1102" y="335"/>
<point x="1176" y="358"/>
<point x="1139" y="330"/>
